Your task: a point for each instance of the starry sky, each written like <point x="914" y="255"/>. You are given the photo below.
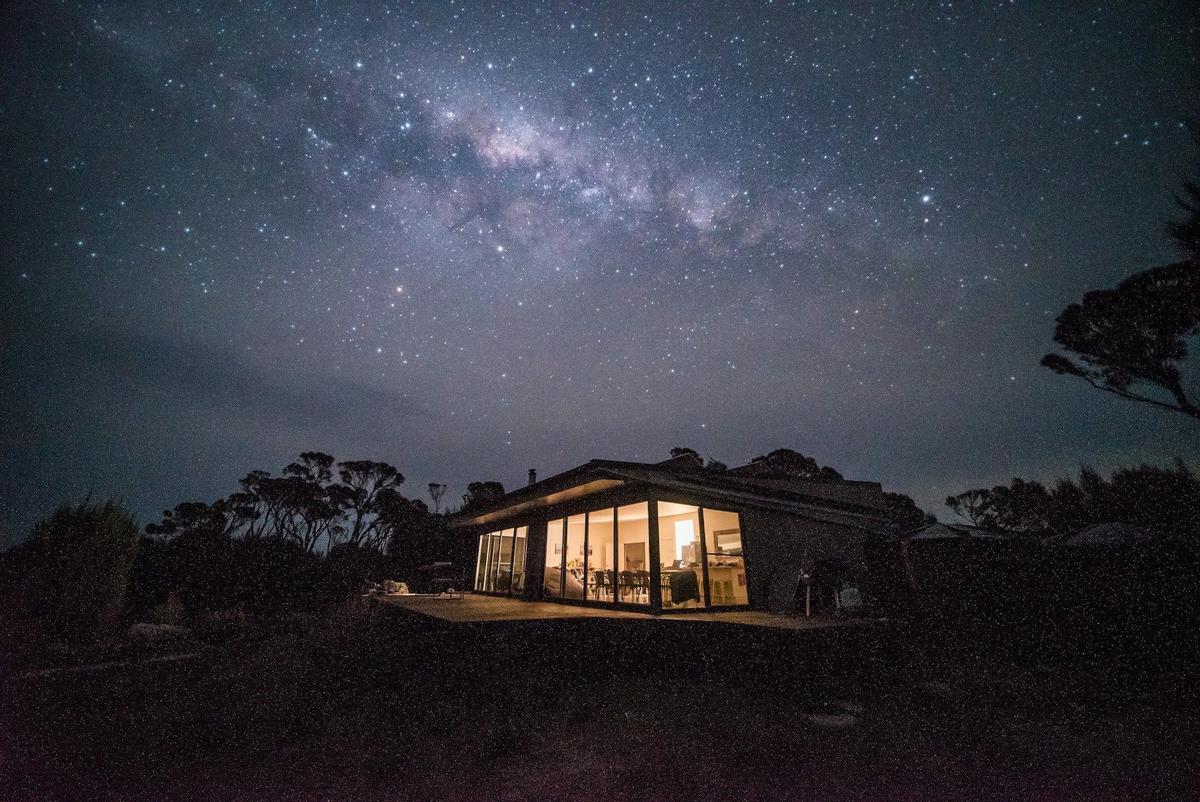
<point x="474" y="238"/>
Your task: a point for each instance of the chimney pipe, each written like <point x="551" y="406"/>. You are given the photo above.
<point x="532" y="475"/>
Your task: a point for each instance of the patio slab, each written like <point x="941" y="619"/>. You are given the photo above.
<point x="473" y="608"/>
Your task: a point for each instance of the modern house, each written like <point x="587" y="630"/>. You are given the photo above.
<point x="667" y="536"/>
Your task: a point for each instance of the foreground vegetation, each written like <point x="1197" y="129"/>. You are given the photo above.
<point x="362" y="705"/>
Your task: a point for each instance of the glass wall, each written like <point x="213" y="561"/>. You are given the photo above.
<point x="552" y="579"/>
<point x="487" y="556"/>
<point x="518" y="558"/>
<point x="574" y="586"/>
<point x="481" y="562"/>
<point x="726" y="564"/>
<point x="601" y="566"/>
<point x="605" y="558"/>
<point x="680" y="555"/>
<point x="503" y="578"/>
<point x="633" y="544"/>
<point x="501" y="566"/>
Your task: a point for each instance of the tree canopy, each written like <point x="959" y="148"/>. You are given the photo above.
<point x="1145" y="495"/>
<point x="709" y="465"/>
<point x="317" y="503"/>
<point x="481" y="494"/>
<point x="1131" y="341"/>
<point x="788" y="464"/>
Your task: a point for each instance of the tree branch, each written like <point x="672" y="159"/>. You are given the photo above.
<point x="1185" y="410"/>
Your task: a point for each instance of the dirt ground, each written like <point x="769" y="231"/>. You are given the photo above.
<point x="393" y="707"/>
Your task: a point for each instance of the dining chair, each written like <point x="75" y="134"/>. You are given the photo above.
<point x="642" y="585"/>
<point x="598" y="582"/>
<point x="628" y="584"/>
<point x="665" y="585"/>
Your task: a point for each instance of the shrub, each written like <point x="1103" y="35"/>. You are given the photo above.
<point x="80" y="568"/>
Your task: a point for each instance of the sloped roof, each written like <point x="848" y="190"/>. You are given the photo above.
<point x="1113" y="533"/>
<point x="863" y="500"/>
<point x="943" y="531"/>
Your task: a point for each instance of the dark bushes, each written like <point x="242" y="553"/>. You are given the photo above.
<point x="77" y="569"/>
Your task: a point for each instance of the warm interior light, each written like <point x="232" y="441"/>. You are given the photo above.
<point x="685" y="535"/>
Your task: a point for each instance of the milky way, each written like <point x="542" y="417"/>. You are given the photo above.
<point x="473" y="239"/>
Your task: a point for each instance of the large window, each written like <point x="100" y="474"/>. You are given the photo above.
<point x="726" y="565"/>
<point x="680" y="555"/>
<point x="633" y="544"/>
<point x="518" y="559"/>
<point x="489" y="561"/>
<point x="604" y="556"/>
<point x="556" y="554"/>
<point x="501" y="561"/>
<point x="574" y="586"/>
<point x="601" y="573"/>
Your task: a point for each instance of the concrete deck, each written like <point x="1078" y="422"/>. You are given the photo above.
<point x="476" y="609"/>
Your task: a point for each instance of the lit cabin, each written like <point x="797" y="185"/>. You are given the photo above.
<point x="667" y="536"/>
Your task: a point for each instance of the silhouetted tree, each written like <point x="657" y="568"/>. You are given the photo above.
<point x="295" y="541"/>
<point x="196" y="519"/>
<point x="709" y="464"/>
<point x="1130" y="341"/>
<point x="364" y="488"/>
<point x="1133" y="337"/>
<point x="904" y="513"/>
<point x="1020" y="507"/>
<point x="299" y="503"/>
<point x="1146" y="495"/>
<point x="195" y="561"/>
<point x="407" y="524"/>
<point x="436" y="491"/>
<point x="785" y="463"/>
<point x="249" y="506"/>
<point x="972" y="506"/>
<point x="480" y="494"/>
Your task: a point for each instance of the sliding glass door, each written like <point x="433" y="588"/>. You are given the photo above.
<point x="633" y="553"/>
<point x="681" y="555"/>
<point x="501" y="561"/>
<point x="556" y="559"/>
<point x="604" y="556"/>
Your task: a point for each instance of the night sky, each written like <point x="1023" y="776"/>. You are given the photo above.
<point x="473" y="239"/>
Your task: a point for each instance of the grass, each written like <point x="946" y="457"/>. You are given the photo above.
<point x="398" y="708"/>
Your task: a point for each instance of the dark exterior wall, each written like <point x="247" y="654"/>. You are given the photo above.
<point x="777" y="545"/>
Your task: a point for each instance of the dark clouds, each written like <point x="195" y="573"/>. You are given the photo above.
<point x="474" y="239"/>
